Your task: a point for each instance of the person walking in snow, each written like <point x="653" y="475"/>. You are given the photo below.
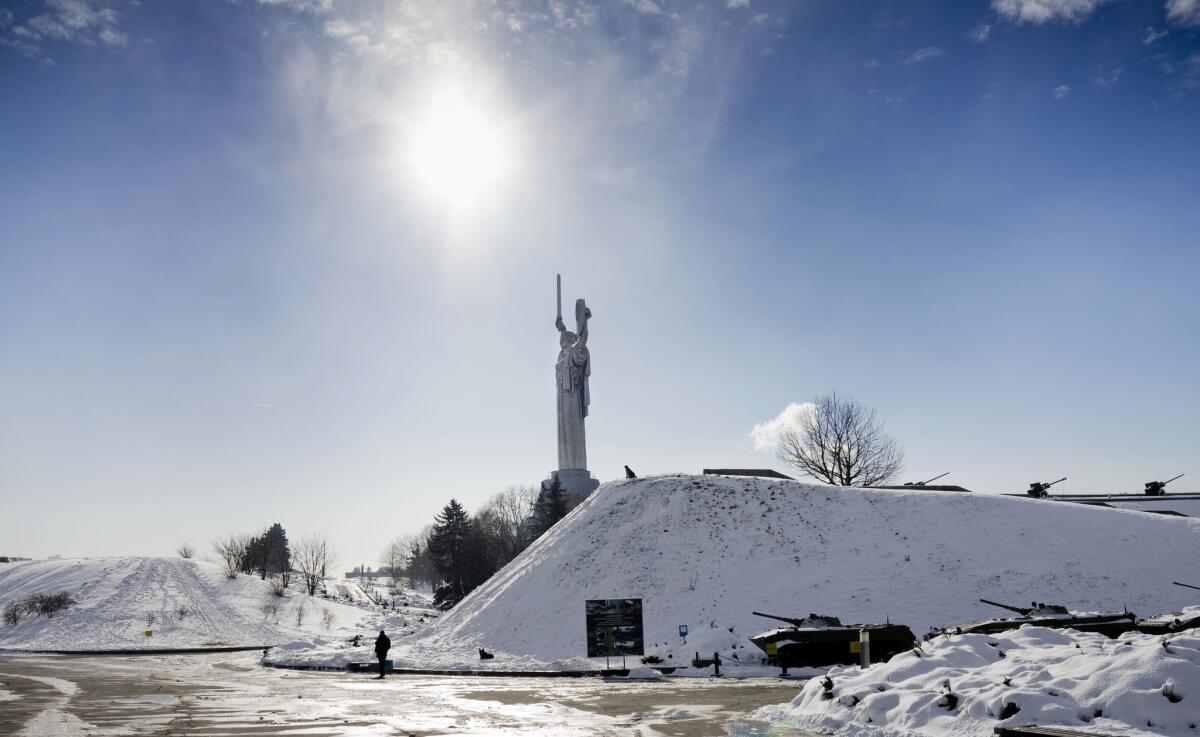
<point x="382" y="645"/>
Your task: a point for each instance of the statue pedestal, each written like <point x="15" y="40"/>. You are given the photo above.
<point x="577" y="482"/>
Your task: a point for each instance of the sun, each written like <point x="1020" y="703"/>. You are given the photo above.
<point x="459" y="151"/>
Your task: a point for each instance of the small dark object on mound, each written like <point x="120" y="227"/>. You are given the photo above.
<point x="1010" y="710"/>
<point x="485" y="655"/>
<point x="629" y="474"/>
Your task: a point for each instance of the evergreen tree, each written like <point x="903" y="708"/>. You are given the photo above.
<point x="268" y="553"/>
<point x="253" y="557"/>
<point x="450" y="550"/>
<point x="551" y="506"/>
<point x="277" y="552"/>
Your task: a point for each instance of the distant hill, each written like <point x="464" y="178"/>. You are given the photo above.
<point x="706" y="550"/>
<point x="115" y="597"/>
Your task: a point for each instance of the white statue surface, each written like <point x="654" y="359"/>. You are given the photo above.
<point x="572" y="373"/>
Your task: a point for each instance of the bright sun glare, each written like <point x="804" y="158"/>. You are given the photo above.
<point x="458" y="151"/>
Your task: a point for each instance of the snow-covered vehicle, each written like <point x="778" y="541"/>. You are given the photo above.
<point x="1165" y="624"/>
<point x="1110" y="624"/>
<point x="820" y="640"/>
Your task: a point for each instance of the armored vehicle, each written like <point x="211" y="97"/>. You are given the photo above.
<point x="1110" y="624"/>
<point x="818" y="640"/>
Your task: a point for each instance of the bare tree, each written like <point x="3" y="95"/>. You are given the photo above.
<point x="502" y="521"/>
<point x="842" y="442"/>
<point x="313" y="556"/>
<point x="185" y="551"/>
<point x="393" y="558"/>
<point x="231" y="553"/>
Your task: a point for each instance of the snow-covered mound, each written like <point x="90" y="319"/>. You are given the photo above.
<point x="190" y="603"/>
<point x="965" y="685"/>
<point x="707" y="550"/>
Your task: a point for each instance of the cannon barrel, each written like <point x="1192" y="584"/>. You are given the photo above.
<point x="794" y="621"/>
<point x="1023" y="611"/>
<point x="1186" y="585"/>
<point x="1172" y="479"/>
<point x="1052" y="483"/>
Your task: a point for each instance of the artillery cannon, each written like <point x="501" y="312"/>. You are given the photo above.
<point x="1158" y="488"/>
<point x="1186" y="585"/>
<point x="1038" y="489"/>
<point x="923" y="483"/>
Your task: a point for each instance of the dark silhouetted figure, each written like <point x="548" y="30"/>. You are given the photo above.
<point x="382" y="645"/>
<point x="485" y="655"/>
<point x="716" y="664"/>
<point x="629" y="474"/>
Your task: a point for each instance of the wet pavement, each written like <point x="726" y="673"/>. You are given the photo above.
<point x="229" y="694"/>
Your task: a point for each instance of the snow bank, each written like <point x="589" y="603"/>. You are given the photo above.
<point x="965" y="685"/>
<point x="116" y="597"/>
<point x="706" y="550"/>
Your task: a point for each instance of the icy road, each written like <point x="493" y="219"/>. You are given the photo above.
<point x="213" y="695"/>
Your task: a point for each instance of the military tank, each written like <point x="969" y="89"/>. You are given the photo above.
<point x="1165" y="624"/>
<point x="1110" y="624"/>
<point x="820" y="640"/>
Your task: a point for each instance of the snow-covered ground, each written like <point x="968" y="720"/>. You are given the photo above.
<point x="705" y="551"/>
<point x="1138" y="684"/>
<point x="185" y="603"/>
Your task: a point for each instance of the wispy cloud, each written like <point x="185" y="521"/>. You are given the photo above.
<point x="766" y="435"/>
<point x="737" y="3"/>
<point x="306" y="6"/>
<point x="648" y="7"/>
<point x="980" y="33"/>
<point x="1110" y="77"/>
<point x="920" y="56"/>
<point x="1062" y="91"/>
<point x="1184" y="12"/>
<point x="1045" y="11"/>
<point x="73" y="21"/>
<point x="1153" y="35"/>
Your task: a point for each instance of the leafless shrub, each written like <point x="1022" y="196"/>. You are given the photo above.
<point x="48" y="604"/>
<point x="300" y="614"/>
<point x="278" y="585"/>
<point x="231" y="551"/>
<point x="14" y="611"/>
<point x="842" y="442"/>
<point x="313" y="556"/>
<point x="181" y="611"/>
<point x="185" y="551"/>
<point x="151" y="617"/>
<point x="327" y="617"/>
<point x="270" y="611"/>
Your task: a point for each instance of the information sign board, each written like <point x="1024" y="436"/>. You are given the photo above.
<point x="614" y="627"/>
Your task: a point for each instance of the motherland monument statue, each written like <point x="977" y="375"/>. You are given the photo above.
<point x="572" y="372"/>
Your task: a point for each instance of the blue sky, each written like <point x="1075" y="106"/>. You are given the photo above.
<point x="233" y="291"/>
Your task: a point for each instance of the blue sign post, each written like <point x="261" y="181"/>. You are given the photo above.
<point x="683" y="630"/>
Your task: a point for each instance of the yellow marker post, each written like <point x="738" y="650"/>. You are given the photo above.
<point x="772" y="649"/>
<point x="149" y="633"/>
